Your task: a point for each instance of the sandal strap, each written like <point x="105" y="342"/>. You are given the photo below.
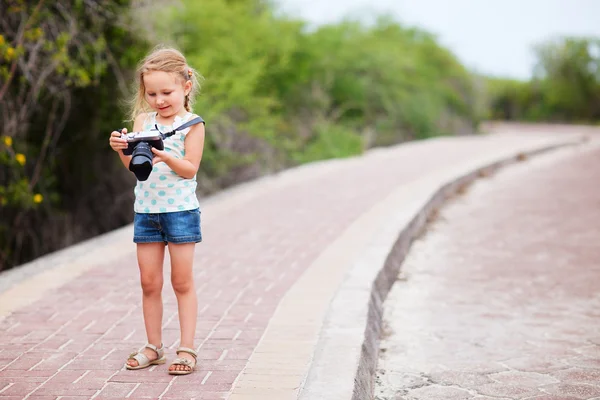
<point x="159" y="352"/>
<point x="141" y="358"/>
<point x="182" y="361"/>
<point x="191" y="352"/>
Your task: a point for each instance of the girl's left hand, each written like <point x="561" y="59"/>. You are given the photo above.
<point x="160" y="156"/>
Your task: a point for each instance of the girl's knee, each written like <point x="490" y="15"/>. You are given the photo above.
<point x="152" y="285"/>
<point x="182" y="286"/>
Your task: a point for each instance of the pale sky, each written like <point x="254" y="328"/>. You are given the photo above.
<point x="488" y="36"/>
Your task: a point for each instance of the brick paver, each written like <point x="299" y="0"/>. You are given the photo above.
<point x="72" y="342"/>
<point x="501" y="298"/>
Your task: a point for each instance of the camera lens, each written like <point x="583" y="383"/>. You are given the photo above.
<point x="141" y="161"/>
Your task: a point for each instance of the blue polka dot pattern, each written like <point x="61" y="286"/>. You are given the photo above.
<point x="165" y="190"/>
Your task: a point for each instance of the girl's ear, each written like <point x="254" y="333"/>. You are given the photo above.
<point x="187" y="88"/>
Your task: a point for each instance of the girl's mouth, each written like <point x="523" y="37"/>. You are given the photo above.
<point x="163" y="108"/>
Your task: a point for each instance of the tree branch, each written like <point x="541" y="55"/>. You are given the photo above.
<point x="13" y="66"/>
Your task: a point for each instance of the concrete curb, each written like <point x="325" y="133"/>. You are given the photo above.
<point x="360" y="298"/>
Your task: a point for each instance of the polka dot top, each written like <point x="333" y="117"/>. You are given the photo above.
<point x="165" y="191"/>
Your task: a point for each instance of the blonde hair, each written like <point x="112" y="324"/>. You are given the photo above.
<point x="169" y="60"/>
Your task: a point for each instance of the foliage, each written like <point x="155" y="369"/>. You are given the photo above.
<point x="386" y="79"/>
<point x="565" y="86"/>
<point x="54" y="56"/>
<point x="329" y="141"/>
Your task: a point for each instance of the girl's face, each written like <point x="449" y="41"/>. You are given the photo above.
<point x="165" y="93"/>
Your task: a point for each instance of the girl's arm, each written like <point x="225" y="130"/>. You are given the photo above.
<point x="186" y="167"/>
<point x="125" y="159"/>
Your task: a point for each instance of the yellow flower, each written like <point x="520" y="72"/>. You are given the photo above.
<point x="20" y="158"/>
<point x="38" y="198"/>
<point x="7" y="141"/>
<point x="1" y="40"/>
<point x="9" y="53"/>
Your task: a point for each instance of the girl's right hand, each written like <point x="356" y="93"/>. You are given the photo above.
<point x="116" y="142"/>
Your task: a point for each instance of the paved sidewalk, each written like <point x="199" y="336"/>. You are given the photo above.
<point x="274" y="254"/>
<point x="501" y="298"/>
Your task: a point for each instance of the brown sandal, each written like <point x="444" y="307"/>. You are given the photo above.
<point x="184" y="361"/>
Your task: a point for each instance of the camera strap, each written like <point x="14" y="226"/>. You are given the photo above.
<point x="192" y="122"/>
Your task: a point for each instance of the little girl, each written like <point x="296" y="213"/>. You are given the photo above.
<point x="166" y="207"/>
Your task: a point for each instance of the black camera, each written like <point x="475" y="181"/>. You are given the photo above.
<point x="140" y="144"/>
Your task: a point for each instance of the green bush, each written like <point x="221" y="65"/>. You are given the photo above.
<point x="61" y="65"/>
<point x="330" y="141"/>
<point x="565" y="86"/>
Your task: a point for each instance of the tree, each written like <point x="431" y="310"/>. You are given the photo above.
<point x="569" y="73"/>
<point x="50" y="54"/>
<point x="565" y="86"/>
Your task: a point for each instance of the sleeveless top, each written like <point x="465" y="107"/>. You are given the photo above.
<point x="165" y="191"/>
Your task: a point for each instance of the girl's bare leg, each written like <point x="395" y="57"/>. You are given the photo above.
<point x="182" y="279"/>
<point x="150" y="259"/>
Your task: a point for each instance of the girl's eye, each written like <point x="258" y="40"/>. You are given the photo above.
<point x="167" y="93"/>
<point x="151" y="94"/>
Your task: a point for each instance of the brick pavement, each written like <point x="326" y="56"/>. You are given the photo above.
<point x="501" y="298"/>
<point x="71" y="339"/>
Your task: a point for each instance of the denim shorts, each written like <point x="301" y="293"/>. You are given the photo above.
<point x="170" y="227"/>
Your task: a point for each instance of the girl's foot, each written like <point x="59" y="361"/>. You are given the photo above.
<point x="184" y="363"/>
<point x="145" y="357"/>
